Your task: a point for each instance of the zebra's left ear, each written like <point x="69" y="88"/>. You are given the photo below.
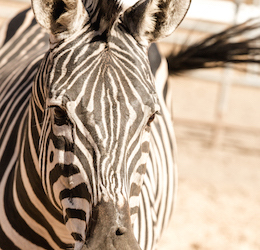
<point x="60" y="17"/>
<point x="149" y="20"/>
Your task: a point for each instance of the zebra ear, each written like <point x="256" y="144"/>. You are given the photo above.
<point x="60" y="17"/>
<point x="149" y="20"/>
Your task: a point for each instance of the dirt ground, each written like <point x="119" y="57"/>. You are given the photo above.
<point x="218" y="200"/>
<point x="218" y="205"/>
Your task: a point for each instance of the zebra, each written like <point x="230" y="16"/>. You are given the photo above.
<point x="86" y="141"/>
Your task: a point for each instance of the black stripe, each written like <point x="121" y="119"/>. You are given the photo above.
<point x="134" y="210"/>
<point x="62" y="170"/>
<point x="80" y="191"/>
<point x="154" y="58"/>
<point x="75" y="213"/>
<point x="135" y="189"/>
<point x="60" y="142"/>
<point x="145" y="147"/>
<point x="77" y="236"/>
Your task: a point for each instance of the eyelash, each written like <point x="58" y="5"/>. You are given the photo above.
<point x="151" y="118"/>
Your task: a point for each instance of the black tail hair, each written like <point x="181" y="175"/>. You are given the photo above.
<point x="229" y="46"/>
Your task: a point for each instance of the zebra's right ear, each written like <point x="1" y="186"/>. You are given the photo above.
<point x="60" y="17"/>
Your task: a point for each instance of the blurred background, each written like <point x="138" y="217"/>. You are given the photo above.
<point x="217" y="124"/>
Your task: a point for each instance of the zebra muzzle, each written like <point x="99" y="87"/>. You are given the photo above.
<point x="110" y="229"/>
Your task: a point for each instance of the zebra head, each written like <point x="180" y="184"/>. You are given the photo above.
<point x="99" y="100"/>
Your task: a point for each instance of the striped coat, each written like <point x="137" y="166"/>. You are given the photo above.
<point x="77" y="118"/>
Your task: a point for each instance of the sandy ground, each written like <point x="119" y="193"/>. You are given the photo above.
<point x="218" y="200"/>
<point x="218" y="205"/>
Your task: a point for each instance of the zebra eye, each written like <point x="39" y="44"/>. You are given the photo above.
<point x="59" y="113"/>
<point x="151" y="119"/>
<point x="60" y="116"/>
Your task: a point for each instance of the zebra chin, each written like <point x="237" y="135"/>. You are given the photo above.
<point x="109" y="229"/>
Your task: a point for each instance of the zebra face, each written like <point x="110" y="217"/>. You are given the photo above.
<point x="95" y="137"/>
<point x="100" y="101"/>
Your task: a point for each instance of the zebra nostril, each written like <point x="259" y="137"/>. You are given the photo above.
<point x="121" y="230"/>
